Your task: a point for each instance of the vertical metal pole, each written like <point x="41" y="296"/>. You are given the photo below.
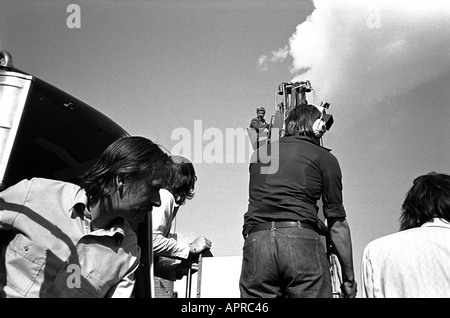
<point x="199" y="273"/>
<point x="150" y="255"/>
<point x="188" y="282"/>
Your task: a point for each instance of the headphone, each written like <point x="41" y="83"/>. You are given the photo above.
<point x="319" y="127"/>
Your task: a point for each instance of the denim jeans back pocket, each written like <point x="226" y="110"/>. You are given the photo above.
<point x="305" y="255"/>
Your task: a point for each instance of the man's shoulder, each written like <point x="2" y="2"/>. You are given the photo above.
<point x="397" y="240"/>
<point x="44" y="183"/>
<point x="53" y="185"/>
<point x="322" y="151"/>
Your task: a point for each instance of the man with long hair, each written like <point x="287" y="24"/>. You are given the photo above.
<point x="283" y="255"/>
<point x="413" y="262"/>
<point x="69" y="240"/>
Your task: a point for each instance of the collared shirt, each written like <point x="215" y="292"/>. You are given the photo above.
<point x="162" y="218"/>
<point x="306" y="172"/>
<point x="408" y="264"/>
<point x="53" y="251"/>
<point x="257" y="123"/>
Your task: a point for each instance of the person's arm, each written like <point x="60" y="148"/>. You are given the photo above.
<point x="169" y="247"/>
<point x="341" y="239"/>
<point x="255" y="124"/>
<point x="338" y="228"/>
<point x="11" y="203"/>
<point x="162" y="217"/>
<point x="366" y="275"/>
<point x="265" y="125"/>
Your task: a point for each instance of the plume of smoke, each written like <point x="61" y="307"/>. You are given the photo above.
<point x="373" y="48"/>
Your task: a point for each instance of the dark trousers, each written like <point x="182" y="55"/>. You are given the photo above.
<point x="285" y="262"/>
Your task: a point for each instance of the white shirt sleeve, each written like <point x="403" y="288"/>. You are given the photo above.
<point x="162" y="218"/>
<point x="366" y="275"/>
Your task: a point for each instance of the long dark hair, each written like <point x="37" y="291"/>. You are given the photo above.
<point x="301" y="119"/>
<point x="428" y="198"/>
<point x="180" y="179"/>
<point x="133" y="160"/>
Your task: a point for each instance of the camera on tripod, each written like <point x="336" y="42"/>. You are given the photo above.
<point x="294" y="94"/>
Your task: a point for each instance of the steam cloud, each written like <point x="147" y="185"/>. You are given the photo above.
<point x="377" y="48"/>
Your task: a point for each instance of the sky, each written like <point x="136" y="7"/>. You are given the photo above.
<point x="190" y="74"/>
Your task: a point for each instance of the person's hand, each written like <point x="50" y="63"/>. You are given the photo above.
<point x="349" y="289"/>
<point x="200" y="244"/>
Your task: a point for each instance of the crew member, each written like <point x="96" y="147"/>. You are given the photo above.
<point x="259" y="122"/>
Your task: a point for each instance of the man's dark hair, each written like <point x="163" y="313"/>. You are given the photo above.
<point x="180" y="179"/>
<point x="428" y="198"/>
<point x="301" y="119"/>
<point x="133" y="160"/>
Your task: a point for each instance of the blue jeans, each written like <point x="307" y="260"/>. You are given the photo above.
<point x="285" y="262"/>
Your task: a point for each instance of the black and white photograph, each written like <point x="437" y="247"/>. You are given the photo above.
<point x="224" y="149"/>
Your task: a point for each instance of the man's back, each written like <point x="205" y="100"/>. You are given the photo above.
<point x="410" y="263"/>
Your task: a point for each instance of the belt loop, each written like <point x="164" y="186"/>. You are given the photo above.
<point x="299" y="224"/>
<point x="273" y="225"/>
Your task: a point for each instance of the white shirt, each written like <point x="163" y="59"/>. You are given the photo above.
<point x="408" y="264"/>
<point x="162" y="218"/>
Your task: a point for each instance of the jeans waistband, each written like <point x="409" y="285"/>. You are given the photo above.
<point x="281" y="224"/>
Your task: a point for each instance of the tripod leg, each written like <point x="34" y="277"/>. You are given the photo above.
<point x="188" y="282"/>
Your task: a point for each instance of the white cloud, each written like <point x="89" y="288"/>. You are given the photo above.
<point x="277" y="56"/>
<point x="280" y="55"/>
<point x="375" y="48"/>
<point x="262" y="62"/>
